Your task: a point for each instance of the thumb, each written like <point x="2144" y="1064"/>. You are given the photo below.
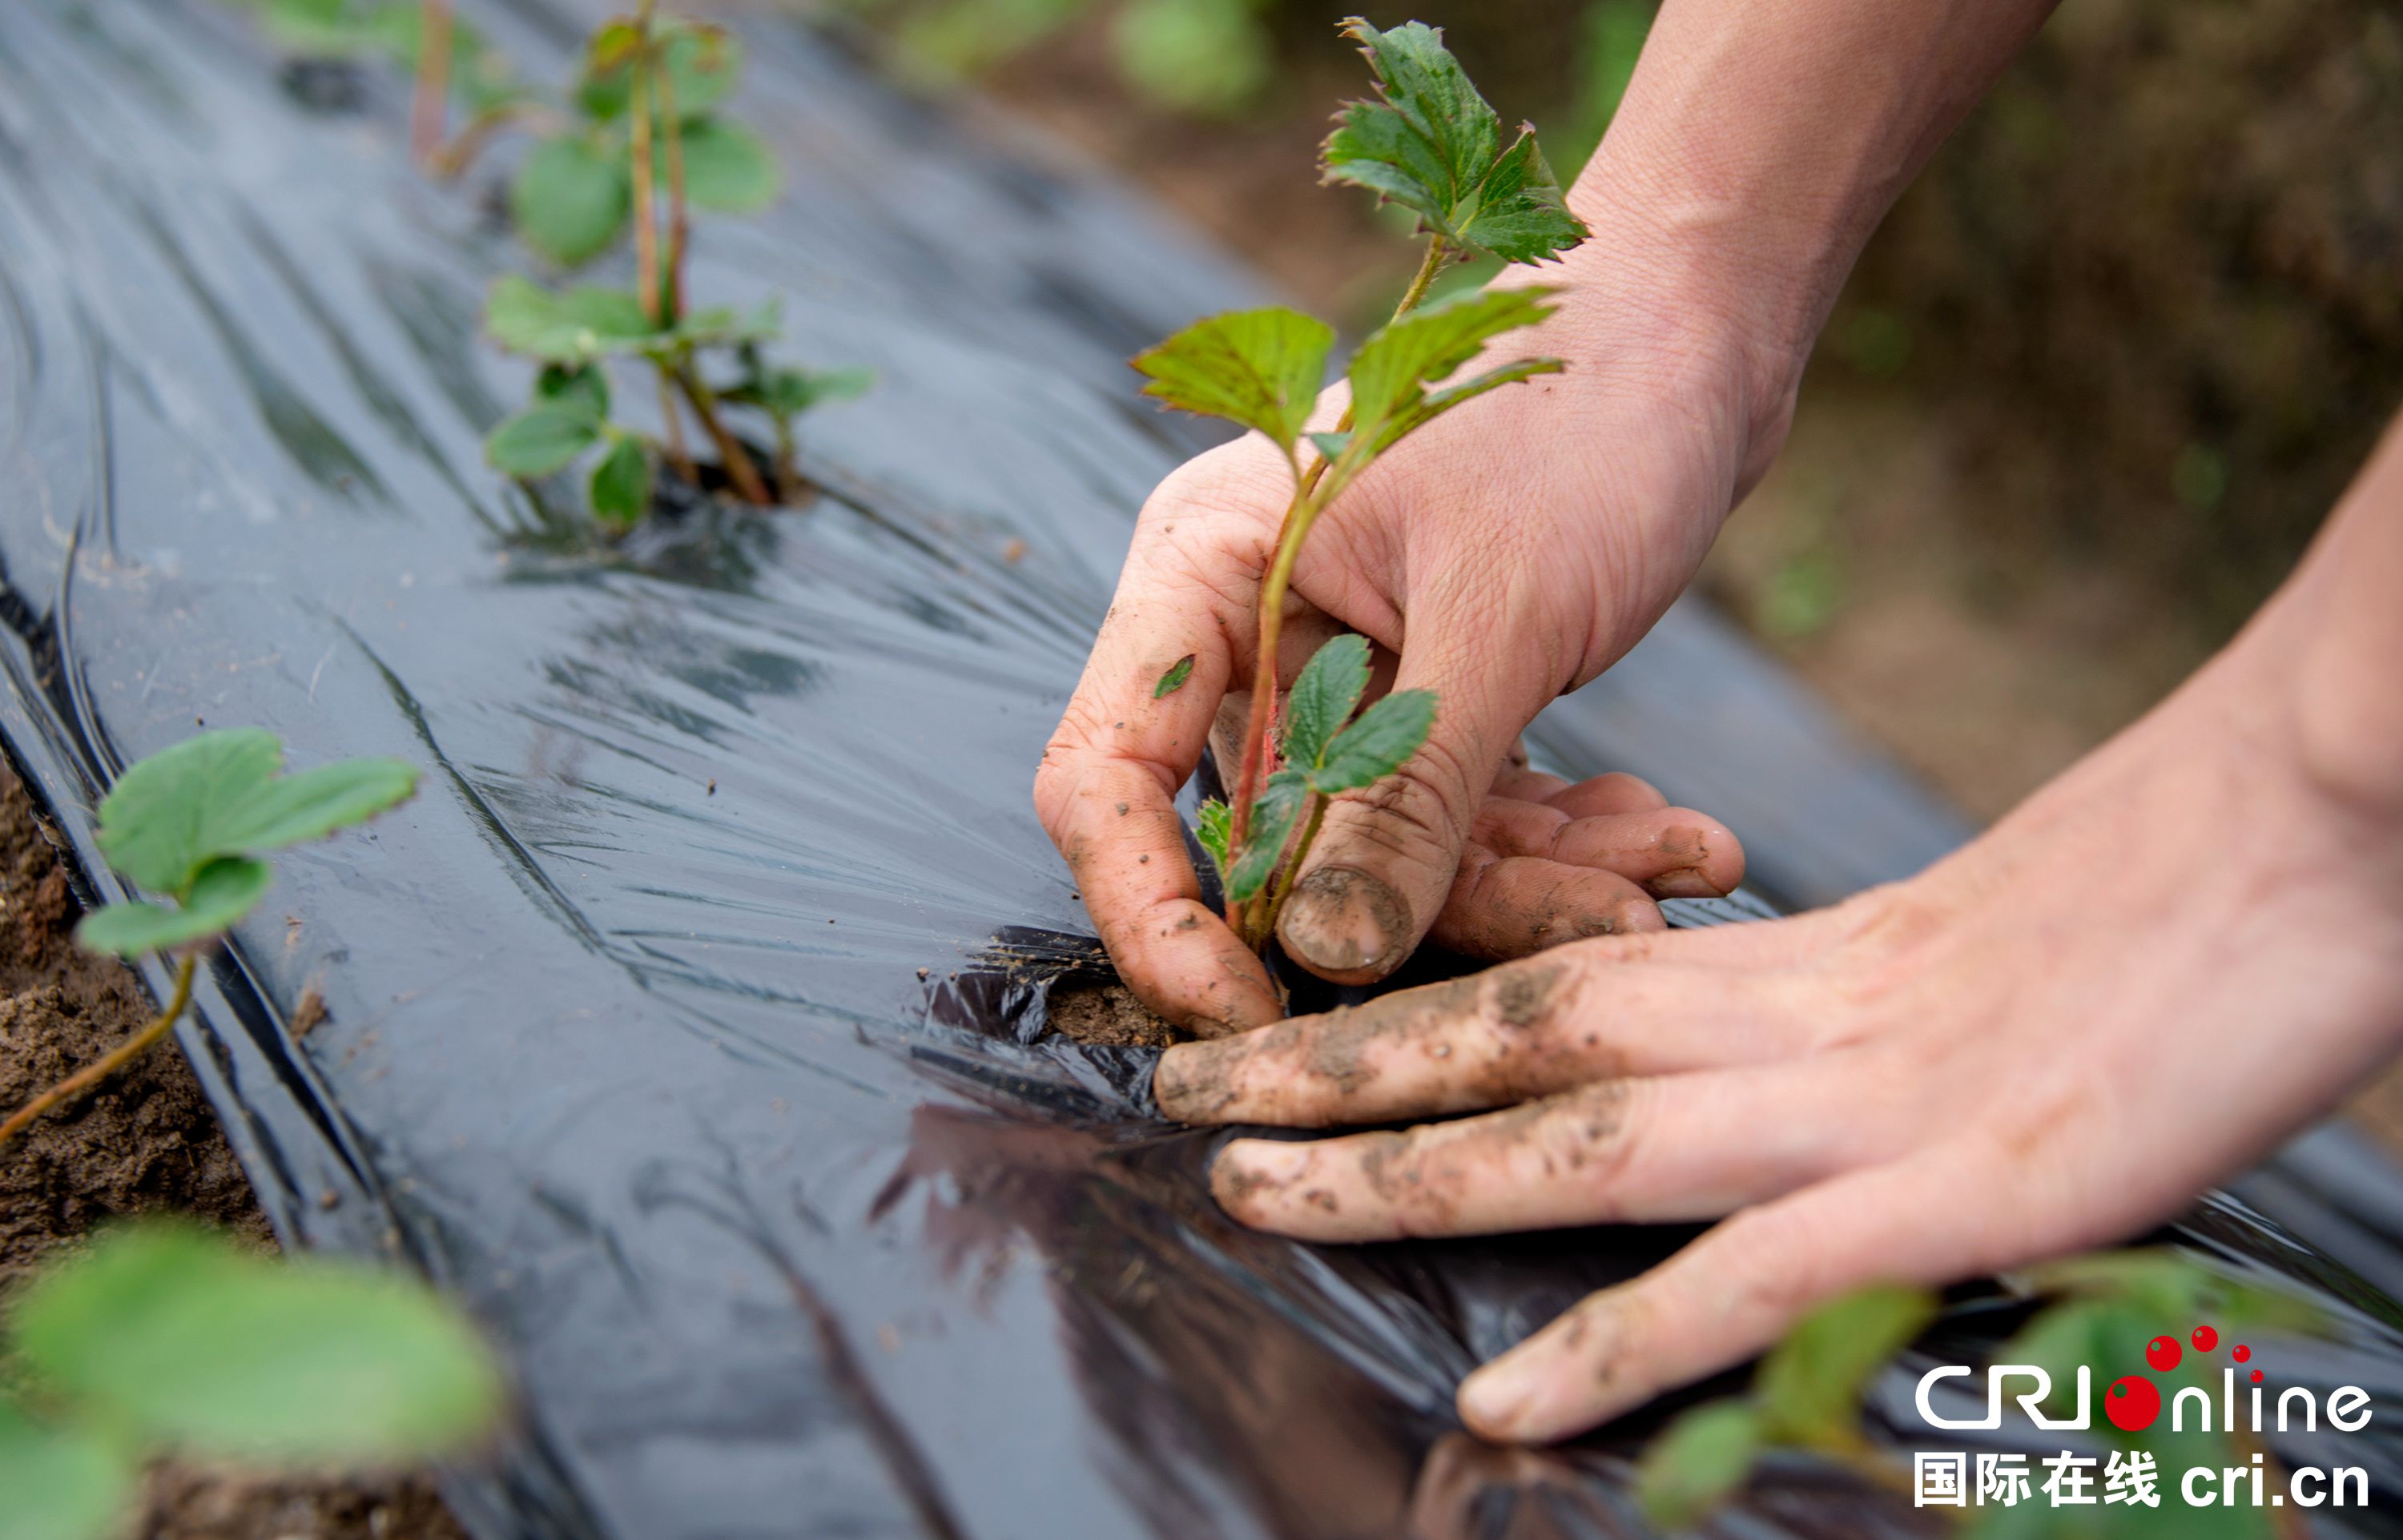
<point x="1383" y="864"/>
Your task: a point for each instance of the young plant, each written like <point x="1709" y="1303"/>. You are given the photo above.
<point x="647" y="83"/>
<point x="653" y="151"/>
<point x="1807" y="1394"/>
<point x="190" y="823"/>
<point x="1431" y="143"/>
<point x="164" y="1339"/>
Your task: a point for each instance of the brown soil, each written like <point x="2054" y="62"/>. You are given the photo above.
<point x="145" y="1142"/>
<point x="1109" y="1016"/>
<point x="186" y="1505"/>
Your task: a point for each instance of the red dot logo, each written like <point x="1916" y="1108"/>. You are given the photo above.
<point x="2131" y="1403"/>
<point x="2256" y="1376"/>
<point x="2163" y="1354"/>
<point x="2242" y="1352"/>
<point x="2205" y="1338"/>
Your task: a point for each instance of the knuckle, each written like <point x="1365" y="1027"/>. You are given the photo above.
<point x="1237" y="485"/>
<point x="1593" y="1131"/>
<point x="1416" y="814"/>
<point x="1784" y="1268"/>
<point x="1893" y="918"/>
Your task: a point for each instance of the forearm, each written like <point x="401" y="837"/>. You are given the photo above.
<point x="2339" y="633"/>
<point x="1759" y="144"/>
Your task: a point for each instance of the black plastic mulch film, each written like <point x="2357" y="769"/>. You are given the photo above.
<point x="779" y="1239"/>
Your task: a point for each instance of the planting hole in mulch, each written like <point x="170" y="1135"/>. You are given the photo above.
<point x="145" y="1143"/>
<point x="1109" y="1016"/>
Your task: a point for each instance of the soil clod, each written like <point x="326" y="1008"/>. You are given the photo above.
<point x="1109" y="1016"/>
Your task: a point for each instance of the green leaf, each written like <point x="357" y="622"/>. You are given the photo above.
<point x="574" y="327"/>
<point x="313" y="803"/>
<point x="1213" y="826"/>
<point x="1324" y="699"/>
<point x="584" y="387"/>
<point x="1331" y="445"/>
<point x="704" y="65"/>
<point x="1378" y="744"/>
<point x="620" y="484"/>
<point x="789" y="393"/>
<point x="184" y="1339"/>
<point x="224" y="892"/>
<point x="1174" y="680"/>
<point x="1431" y="143"/>
<point x="1810" y="1385"/>
<point x="2091" y="1333"/>
<point x="1274" y="812"/>
<point x="218" y="794"/>
<point x="611" y="45"/>
<point x="726" y="167"/>
<point x="1697" y="1462"/>
<point x="572" y="198"/>
<point x="155" y="823"/>
<point x="1394" y="365"/>
<point x="1477" y="385"/>
<point x="1259" y="367"/>
<point x="2159" y="1283"/>
<point x="722" y="326"/>
<point x="63" y="1483"/>
<point x="545" y="437"/>
<point x="319" y="28"/>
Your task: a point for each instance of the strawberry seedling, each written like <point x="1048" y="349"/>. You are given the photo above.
<point x="190" y="823"/>
<point x="647" y="88"/>
<point x="650" y="151"/>
<point x="163" y="1338"/>
<point x="1431" y="143"/>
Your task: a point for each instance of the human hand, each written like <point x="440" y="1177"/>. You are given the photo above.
<point x="2140" y="982"/>
<point x="1520" y="544"/>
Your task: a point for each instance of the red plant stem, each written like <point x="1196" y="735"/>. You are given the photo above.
<point x="1299" y="516"/>
<point x="1264" y="922"/>
<point x="679" y="226"/>
<point x="738" y="466"/>
<point x="788" y="480"/>
<point x="433" y="80"/>
<point x="125" y="1053"/>
<point x="678" y="456"/>
<point x="452" y="158"/>
<point x="647" y="205"/>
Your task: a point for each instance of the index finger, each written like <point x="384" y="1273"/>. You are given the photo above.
<point x="1131" y="735"/>
<point x="1655" y="1003"/>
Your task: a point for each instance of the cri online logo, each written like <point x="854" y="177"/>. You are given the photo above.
<point x="2133" y="1402"/>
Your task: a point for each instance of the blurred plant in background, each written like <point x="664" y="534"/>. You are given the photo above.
<point x="1211" y="57"/>
<point x="2160" y="271"/>
<point x="1218" y="58"/>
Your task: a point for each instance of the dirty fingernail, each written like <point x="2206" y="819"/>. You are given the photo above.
<point x="1684" y="882"/>
<point x="1341" y="920"/>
